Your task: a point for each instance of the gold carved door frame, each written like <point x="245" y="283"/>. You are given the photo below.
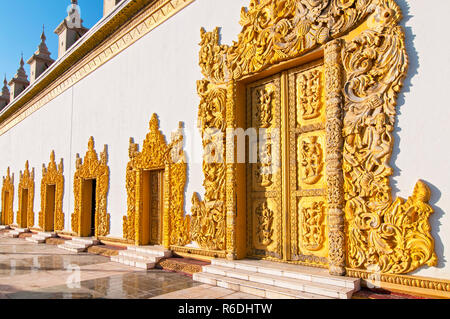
<point x="170" y="160"/>
<point x="52" y="176"/>
<point x="91" y="168"/>
<point x="365" y="63"/>
<point x="7" y="201"/>
<point x="26" y="187"/>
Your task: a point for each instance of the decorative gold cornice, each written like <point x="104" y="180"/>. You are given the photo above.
<point x="134" y="21"/>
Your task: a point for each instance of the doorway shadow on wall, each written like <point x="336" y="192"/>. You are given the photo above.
<point x="413" y="70"/>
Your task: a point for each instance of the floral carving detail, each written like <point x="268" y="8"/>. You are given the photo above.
<point x="275" y="31"/>
<point x="208" y="224"/>
<point x="393" y="236"/>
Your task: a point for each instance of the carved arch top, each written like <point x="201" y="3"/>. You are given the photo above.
<point x="277" y="30"/>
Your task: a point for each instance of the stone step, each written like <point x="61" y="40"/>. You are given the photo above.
<point x="254" y="288"/>
<point x="134" y="262"/>
<point x="151" y="250"/>
<point x="72" y="248"/>
<point x="85" y="240"/>
<point x="14" y="233"/>
<point x="22" y="230"/>
<point x="316" y="275"/>
<point x="40" y="237"/>
<point x="141" y="256"/>
<point x="75" y="244"/>
<point x="282" y="282"/>
<point x="35" y="240"/>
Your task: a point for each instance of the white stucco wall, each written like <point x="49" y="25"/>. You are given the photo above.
<point x="421" y="149"/>
<point x="159" y="73"/>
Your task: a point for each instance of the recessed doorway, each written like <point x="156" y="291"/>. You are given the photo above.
<point x="50" y="207"/>
<point x="5" y="202"/>
<point x="88" y="207"/>
<point x="152" y="207"/>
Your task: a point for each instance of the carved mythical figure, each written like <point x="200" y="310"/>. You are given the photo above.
<point x="312" y="160"/>
<point x="312" y="226"/>
<point x="264" y="231"/>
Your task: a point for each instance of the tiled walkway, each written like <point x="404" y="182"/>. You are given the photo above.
<point x="31" y="271"/>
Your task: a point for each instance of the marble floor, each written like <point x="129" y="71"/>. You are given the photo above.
<point x="31" y="271"/>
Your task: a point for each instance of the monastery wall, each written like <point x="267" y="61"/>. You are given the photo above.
<point x="158" y="74"/>
<point x="422" y="128"/>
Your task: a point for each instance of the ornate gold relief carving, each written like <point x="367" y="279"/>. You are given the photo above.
<point x="334" y="144"/>
<point x="92" y="168"/>
<point x="209" y="216"/>
<point x="264" y="229"/>
<point x="53" y="175"/>
<point x="357" y="140"/>
<point x="25" y="214"/>
<point x="311" y="160"/>
<point x="312" y="226"/>
<point x="307" y="182"/>
<point x="275" y="31"/>
<point x="8" y="199"/>
<point x="309" y="86"/>
<point x="264" y="107"/>
<point x="157" y="155"/>
<point x="392" y="236"/>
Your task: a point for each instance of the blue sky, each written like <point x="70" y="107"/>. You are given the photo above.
<point x="21" y="27"/>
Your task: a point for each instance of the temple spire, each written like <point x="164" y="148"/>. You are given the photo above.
<point x="40" y="60"/>
<point x="70" y="29"/>
<point x="5" y="96"/>
<point x="19" y="82"/>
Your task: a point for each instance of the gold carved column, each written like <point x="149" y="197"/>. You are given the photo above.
<point x="333" y="160"/>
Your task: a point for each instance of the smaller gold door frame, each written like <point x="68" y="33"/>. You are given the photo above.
<point x="52" y="176"/>
<point x="91" y="168"/>
<point x="170" y="160"/>
<point x="8" y="199"/>
<point x="25" y="214"/>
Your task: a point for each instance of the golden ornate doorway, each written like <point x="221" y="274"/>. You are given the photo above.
<point x="155" y="182"/>
<point x="286" y="186"/>
<point x="51" y="216"/>
<point x="25" y="214"/>
<point x="90" y="188"/>
<point x="7" y="199"/>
